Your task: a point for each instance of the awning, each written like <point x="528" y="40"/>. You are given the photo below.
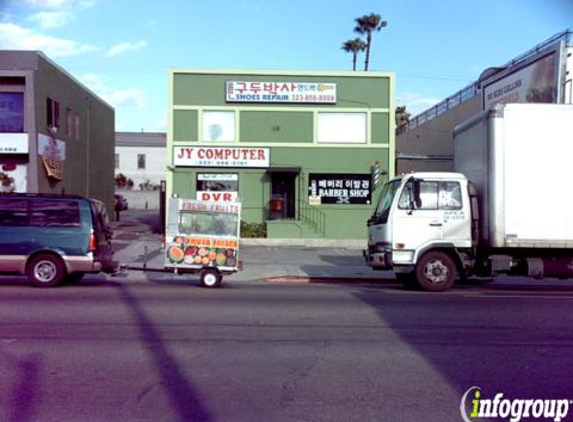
<point x="284" y="170"/>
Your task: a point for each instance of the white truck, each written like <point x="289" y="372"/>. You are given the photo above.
<point x="508" y="208"/>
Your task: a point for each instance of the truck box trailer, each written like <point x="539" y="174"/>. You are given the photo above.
<point x="508" y="208"/>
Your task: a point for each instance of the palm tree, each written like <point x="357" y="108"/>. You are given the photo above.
<point x="366" y="25"/>
<point x="354" y="46"/>
<point x="402" y="118"/>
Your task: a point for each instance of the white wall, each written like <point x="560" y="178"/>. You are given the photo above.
<point x="155" y="165"/>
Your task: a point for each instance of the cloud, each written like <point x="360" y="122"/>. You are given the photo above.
<point x="416" y="103"/>
<point x="15" y="37"/>
<point x="49" y="20"/>
<point x="124" y="47"/>
<point x="126" y="97"/>
<point x="130" y="97"/>
<point x="58" y="4"/>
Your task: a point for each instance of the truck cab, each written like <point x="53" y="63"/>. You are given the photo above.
<point x="421" y="223"/>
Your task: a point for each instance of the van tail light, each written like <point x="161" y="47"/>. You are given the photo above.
<point x="93" y="243"/>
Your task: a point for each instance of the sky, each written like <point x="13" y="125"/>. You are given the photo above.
<point x="122" y="49"/>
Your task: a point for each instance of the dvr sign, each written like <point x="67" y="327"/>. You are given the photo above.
<point x="211" y="196"/>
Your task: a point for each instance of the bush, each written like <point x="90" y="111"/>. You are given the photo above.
<point x="253" y="229"/>
<point x="121" y="181"/>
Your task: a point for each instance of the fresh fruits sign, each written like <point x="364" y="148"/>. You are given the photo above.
<point x="203" y="251"/>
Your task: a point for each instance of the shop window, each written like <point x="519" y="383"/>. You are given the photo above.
<point x="219" y="182"/>
<point x="141" y="161"/>
<point x="341" y="128"/>
<point x="217" y="187"/>
<point x="11" y="112"/>
<point x="53" y="114"/>
<point x="218" y="126"/>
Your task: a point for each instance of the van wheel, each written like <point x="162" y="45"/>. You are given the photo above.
<point x="211" y="278"/>
<point x="436" y="272"/>
<point x="45" y="270"/>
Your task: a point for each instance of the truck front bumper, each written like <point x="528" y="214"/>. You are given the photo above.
<point x="378" y="257"/>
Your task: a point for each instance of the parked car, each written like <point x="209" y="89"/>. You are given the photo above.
<point x="54" y="238"/>
<point x="120" y="202"/>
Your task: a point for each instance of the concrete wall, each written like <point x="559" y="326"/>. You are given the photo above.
<point x="434" y="138"/>
<point x="89" y="158"/>
<point x="141" y="200"/>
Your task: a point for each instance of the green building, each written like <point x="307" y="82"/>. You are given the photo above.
<point x="299" y="150"/>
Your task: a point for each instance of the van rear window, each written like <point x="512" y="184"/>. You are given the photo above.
<point x="55" y="213"/>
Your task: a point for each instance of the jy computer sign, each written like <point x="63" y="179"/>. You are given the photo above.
<point x="281" y="92"/>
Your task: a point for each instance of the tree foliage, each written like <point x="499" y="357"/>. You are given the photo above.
<point x="354" y="46"/>
<point x="366" y="25"/>
<point x="402" y="117"/>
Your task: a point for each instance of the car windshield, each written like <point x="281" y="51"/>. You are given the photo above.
<point x="386" y="199"/>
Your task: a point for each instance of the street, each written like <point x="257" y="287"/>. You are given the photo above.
<point x="164" y="349"/>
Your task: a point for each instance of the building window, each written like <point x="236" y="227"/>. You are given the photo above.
<point x="116" y="161"/>
<point x="219" y="126"/>
<point x="53" y="114"/>
<point x="76" y="126"/>
<point x="12" y="112"/>
<point x="341" y="128"/>
<point x="217" y="187"/>
<point x="69" y="122"/>
<point x="140" y="161"/>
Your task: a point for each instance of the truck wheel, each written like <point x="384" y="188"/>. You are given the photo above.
<point x="408" y="280"/>
<point x="436" y="272"/>
<point x="211" y="278"/>
<point x="45" y="270"/>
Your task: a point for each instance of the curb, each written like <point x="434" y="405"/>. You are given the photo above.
<point x="329" y="280"/>
<point x="306" y="243"/>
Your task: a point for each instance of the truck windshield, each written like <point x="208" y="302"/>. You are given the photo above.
<point x="385" y="202"/>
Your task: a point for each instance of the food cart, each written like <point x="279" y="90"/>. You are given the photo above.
<point x="203" y="237"/>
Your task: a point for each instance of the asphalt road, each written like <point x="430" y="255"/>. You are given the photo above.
<point x="161" y="350"/>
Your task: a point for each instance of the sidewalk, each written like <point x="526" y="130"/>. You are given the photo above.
<point x="137" y="238"/>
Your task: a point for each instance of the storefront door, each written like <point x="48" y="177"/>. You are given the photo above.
<point x="283" y="195"/>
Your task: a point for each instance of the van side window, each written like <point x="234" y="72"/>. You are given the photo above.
<point x="13" y="212"/>
<point x="54" y="213"/>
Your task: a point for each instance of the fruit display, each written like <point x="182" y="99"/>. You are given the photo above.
<point x="175" y="253"/>
<point x="181" y="251"/>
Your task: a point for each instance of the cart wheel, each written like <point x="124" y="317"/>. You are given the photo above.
<point x="211" y="278"/>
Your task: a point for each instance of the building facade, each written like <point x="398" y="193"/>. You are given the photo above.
<point x="542" y="74"/>
<point x="299" y="150"/>
<point x="56" y="136"/>
<point x="140" y="156"/>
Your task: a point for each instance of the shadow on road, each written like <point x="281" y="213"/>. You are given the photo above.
<point x="25" y="393"/>
<point x="181" y="393"/>
<point x="519" y="345"/>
